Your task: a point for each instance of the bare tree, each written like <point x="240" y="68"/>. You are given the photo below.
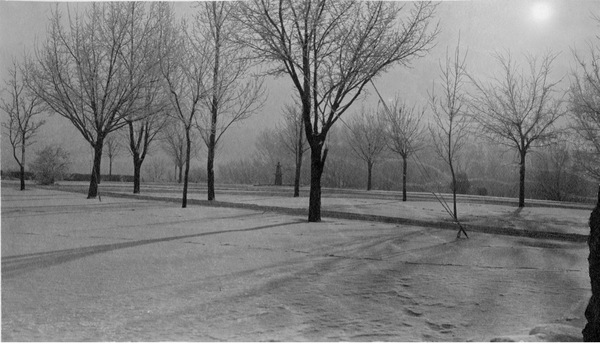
<point x="291" y="135"/>
<point x="269" y="148"/>
<point x="233" y="95"/>
<point x="174" y="144"/>
<point x="21" y="106"/>
<point x="449" y="129"/>
<point x="404" y="134"/>
<point x="331" y="50"/>
<point x="113" y="149"/>
<point x="367" y="139"/>
<point x="141" y="135"/>
<point x="184" y="71"/>
<point x="584" y="101"/>
<point x="552" y="171"/>
<point x="518" y="108"/>
<point x="275" y="145"/>
<point x="155" y="170"/>
<point x="147" y="115"/>
<point x="84" y="71"/>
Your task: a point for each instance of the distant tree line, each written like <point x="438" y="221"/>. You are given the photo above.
<point x="484" y="169"/>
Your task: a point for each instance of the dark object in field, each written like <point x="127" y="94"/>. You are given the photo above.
<point x="591" y="332"/>
<point x="278" y="175"/>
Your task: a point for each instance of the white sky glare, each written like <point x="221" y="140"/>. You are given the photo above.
<point x="541" y="11"/>
<point x="485" y="27"/>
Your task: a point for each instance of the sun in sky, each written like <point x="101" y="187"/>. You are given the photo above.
<point x="541" y="11"/>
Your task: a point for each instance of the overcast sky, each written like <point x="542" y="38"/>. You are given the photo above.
<point x="484" y="26"/>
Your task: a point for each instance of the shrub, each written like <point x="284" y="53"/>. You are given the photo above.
<point x="50" y="164"/>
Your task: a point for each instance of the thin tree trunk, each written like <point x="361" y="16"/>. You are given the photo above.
<point x="187" y="167"/>
<point x="522" y="180"/>
<point x="22" y="164"/>
<point x="299" y="154"/>
<point x="180" y="173"/>
<point x="453" y="191"/>
<point x="451" y="165"/>
<point x="110" y="166"/>
<point x="94" y="178"/>
<point x="317" y="162"/>
<point x="404" y="173"/>
<point x="369" y="174"/>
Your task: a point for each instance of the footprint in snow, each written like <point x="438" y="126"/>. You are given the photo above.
<point x="413" y="313"/>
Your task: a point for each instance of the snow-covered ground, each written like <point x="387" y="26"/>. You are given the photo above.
<point x="126" y="270"/>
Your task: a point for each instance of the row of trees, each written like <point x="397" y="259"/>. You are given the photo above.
<point x="520" y="108"/>
<point x="134" y="66"/>
<point x="124" y="64"/>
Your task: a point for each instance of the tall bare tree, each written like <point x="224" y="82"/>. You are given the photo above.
<point x="291" y="135"/>
<point x="113" y="149"/>
<point x="331" y="50"/>
<point x="184" y="71"/>
<point x="450" y="125"/>
<point x="404" y="133"/>
<point x="22" y="106"/>
<point x="84" y="70"/>
<point x="366" y="137"/>
<point x="149" y="113"/>
<point x="233" y="94"/>
<point x="584" y="101"/>
<point x="519" y="108"/>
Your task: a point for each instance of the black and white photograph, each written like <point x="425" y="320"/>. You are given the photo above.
<point x="300" y="171"/>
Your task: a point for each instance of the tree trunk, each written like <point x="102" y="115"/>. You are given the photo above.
<point x="210" y="172"/>
<point x="110" y="166"/>
<point x="297" y="178"/>
<point x="180" y="173"/>
<point x="22" y="176"/>
<point x="188" y="144"/>
<point x="404" y="173"/>
<point x="94" y="178"/>
<point x="454" y="196"/>
<point x="210" y="161"/>
<point x="22" y="163"/>
<point x="137" y="167"/>
<point x="298" y="166"/>
<point x="369" y="174"/>
<point x="591" y="332"/>
<point x="522" y="180"/>
<point x="317" y="162"/>
<point x="453" y="175"/>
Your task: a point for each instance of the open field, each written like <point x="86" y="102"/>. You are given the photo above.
<point x="131" y="269"/>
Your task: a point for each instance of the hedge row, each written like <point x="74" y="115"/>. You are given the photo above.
<point x="75" y="177"/>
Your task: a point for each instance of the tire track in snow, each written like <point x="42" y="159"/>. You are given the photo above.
<point x="19" y="264"/>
